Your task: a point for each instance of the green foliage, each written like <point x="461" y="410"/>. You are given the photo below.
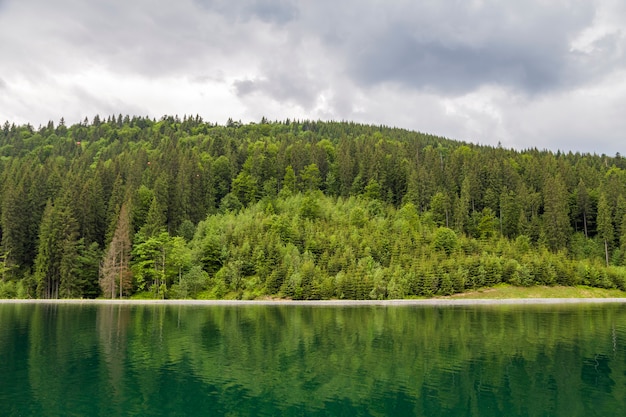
<point x="296" y="209"/>
<point x="191" y="283"/>
<point x="445" y="240"/>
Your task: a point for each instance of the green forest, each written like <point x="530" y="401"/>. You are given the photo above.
<point x="133" y="207"/>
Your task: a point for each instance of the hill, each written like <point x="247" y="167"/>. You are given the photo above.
<point x="301" y="209"/>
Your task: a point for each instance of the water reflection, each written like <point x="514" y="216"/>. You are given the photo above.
<point x="286" y="360"/>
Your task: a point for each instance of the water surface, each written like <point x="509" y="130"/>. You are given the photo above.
<point x="173" y="360"/>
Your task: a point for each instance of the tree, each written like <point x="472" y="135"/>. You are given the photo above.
<point x="372" y="190"/>
<point x="483" y="223"/>
<point x="509" y="214"/>
<point x="115" y="274"/>
<point x="556" y="225"/>
<point x="15" y="239"/>
<point x="92" y="211"/>
<point x="149" y="257"/>
<point x="180" y="255"/>
<point x="221" y="176"/>
<point x="605" y="225"/>
<point x="310" y="177"/>
<point x="84" y="269"/>
<point x="246" y="188"/>
<point x="4" y="267"/>
<point x="57" y="248"/>
<point x="440" y="207"/>
<point x="583" y="203"/>
<point x="155" y="219"/>
<point x="159" y="261"/>
<point x="445" y="240"/>
<point x="192" y="282"/>
<point x="289" y="181"/>
<point x="461" y="207"/>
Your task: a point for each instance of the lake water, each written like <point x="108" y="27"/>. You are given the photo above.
<point x="172" y="360"/>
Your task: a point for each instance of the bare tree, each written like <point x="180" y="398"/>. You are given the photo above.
<point x="115" y="275"/>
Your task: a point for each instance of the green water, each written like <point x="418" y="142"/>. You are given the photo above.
<point x="111" y="360"/>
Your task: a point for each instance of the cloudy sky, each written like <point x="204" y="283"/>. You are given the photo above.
<point x="533" y="73"/>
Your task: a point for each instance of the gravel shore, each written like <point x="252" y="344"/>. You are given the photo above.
<point x="333" y="303"/>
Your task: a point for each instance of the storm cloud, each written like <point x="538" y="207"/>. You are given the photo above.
<point x="525" y="74"/>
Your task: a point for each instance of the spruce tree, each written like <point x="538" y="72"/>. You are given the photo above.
<point x="556" y="224"/>
<point x="605" y="225"/>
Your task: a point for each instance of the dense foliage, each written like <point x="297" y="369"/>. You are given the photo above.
<point x="184" y="208"/>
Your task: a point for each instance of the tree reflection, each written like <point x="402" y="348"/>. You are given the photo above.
<point x="288" y="360"/>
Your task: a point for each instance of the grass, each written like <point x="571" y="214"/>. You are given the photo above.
<point x="503" y="291"/>
<point x="497" y="292"/>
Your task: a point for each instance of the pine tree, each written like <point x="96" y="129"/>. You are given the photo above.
<point x="310" y="177"/>
<point x="155" y="219"/>
<point x="440" y="207"/>
<point x="583" y="203"/>
<point x="14" y="227"/>
<point x="556" y="225"/>
<point x="605" y="225"/>
<point x="461" y="207"/>
<point x="56" y="250"/>
<point x="509" y="213"/>
<point x="289" y="182"/>
<point x="92" y="212"/>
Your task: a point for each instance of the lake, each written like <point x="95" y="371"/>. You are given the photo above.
<point x="286" y="360"/>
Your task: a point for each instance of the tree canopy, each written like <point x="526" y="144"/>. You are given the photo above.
<point x="176" y="207"/>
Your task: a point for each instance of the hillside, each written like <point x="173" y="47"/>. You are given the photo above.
<point x="183" y="208"/>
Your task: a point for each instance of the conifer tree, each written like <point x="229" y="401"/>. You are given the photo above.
<point x="583" y="203"/>
<point x="57" y="248"/>
<point x="556" y="225"/>
<point x="289" y="181"/>
<point x="115" y="271"/>
<point x="605" y="225"/>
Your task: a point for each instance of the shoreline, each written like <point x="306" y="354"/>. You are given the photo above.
<point x="434" y="302"/>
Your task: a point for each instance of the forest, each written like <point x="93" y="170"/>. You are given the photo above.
<point x="133" y="207"/>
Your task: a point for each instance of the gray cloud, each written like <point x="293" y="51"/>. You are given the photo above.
<point x="433" y="47"/>
<point x="456" y="49"/>
<point x="272" y="11"/>
<point x="472" y="69"/>
<point x="285" y="88"/>
<point x="432" y="65"/>
<point x="137" y="37"/>
<point x="425" y="45"/>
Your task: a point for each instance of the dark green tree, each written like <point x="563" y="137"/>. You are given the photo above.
<point x="556" y="224"/>
<point x="606" y="230"/>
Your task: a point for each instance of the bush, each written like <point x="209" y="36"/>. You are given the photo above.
<point x="8" y="289"/>
<point x="445" y="240"/>
<point x="617" y="275"/>
<point x="522" y="276"/>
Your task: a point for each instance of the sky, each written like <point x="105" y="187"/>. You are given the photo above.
<point x="549" y="74"/>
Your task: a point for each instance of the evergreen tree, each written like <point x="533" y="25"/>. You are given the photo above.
<point x="440" y="207"/>
<point x="310" y="177"/>
<point x="583" y="203"/>
<point x="461" y="207"/>
<point x="289" y="181"/>
<point x="509" y="214"/>
<point x="556" y="226"/>
<point x="309" y="208"/>
<point x="14" y="228"/>
<point x="56" y="250"/>
<point x="605" y="225"/>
